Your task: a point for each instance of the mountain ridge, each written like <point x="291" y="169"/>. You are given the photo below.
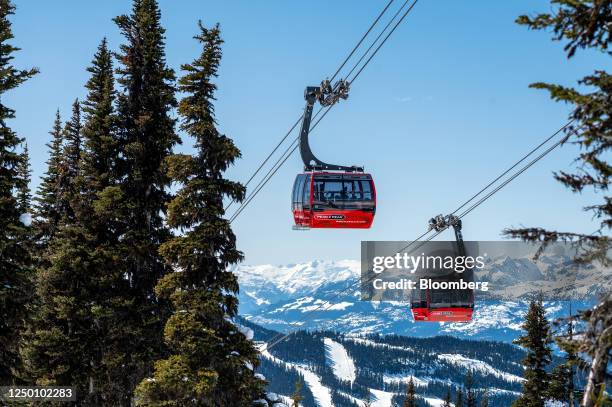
<point x="296" y="296"/>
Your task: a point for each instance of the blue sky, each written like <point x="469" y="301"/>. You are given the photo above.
<point x="442" y="109"/>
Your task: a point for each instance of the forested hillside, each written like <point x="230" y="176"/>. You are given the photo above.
<point x="348" y="369"/>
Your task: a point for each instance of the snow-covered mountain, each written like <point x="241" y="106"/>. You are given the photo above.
<point x="325" y="295"/>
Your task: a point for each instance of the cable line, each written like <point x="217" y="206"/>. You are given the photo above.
<point x="291" y="149"/>
<point x="397" y="13"/>
<point x="279" y="163"/>
<point x="385" y="40"/>
<point x="360" y="41"/>
<point x="267" y="158"/>
<point x="522" y="170"/>
<point x="363" y="37"/>
<point x="327" y="303"/>
<point x="514" y="166"/>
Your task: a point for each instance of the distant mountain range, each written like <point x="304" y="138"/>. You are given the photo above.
<point x="354" y="350"/>
<point x="314" y="296"/>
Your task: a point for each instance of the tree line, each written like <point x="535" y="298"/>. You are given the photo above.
<point x="119" y="286"/>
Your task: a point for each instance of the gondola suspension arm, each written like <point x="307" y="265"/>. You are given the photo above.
<point x="440" y="223"/>
<point x="326" y="95"/>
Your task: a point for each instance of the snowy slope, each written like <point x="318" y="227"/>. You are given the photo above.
<point x="381" y="398"/>
<point x="478" y="365"/>
<point x="321" y="393"/>
<point x="340" y="361"/>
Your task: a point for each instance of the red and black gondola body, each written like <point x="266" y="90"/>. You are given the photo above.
<point x="345" y="200"/>
<point x="443" y="306"/>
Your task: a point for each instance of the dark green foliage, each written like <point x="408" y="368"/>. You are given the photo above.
<point x="459" y="398"/>
<point x="537" y="341"/>
<point x="96" y="221"/>
<point x="24" y="177"/>
<point x="145" y="138"/>
<point x="99" y="127"/>
<point x="410" y="400"/>
<point x="48" y="210"/>
<point x="470" y="393"/>
<point x="56" y="345"/>
<point x="285" y="380"/>
<point x="15" y="259"/>
<point x="73" y="138"/>
<point x="583" y="24"/>
<point x="60" y="184"/>
<point x="447" y="399"/>
<point x="64" y="343"/>
<point x="562" y="386"/>
<point x="559" y="386"/>
<point x="206" y="347"/>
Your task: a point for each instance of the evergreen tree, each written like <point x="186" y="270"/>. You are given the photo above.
<point x="98" y="132"/>
<point x="470" y="393"/>
<point x="24" y="196"/>
<point x="15" y="259"/>
<point x="98" y="218"/>
<point x="66" y="343"/>
<point x="584" y="25"/>
<point x="410" y="400"/>
<point x="296" y="396"/>
<point x="58" y="338"/>
<point x="447" y="399"/>
<point x="71" y="183"/>
<point x="537" y="341"/>
<point x="57" y="343"/>
<point x="73" y="137"/>
<point x="562" y="385"/>
<point x="211" y="361"/>
<point x="145" y="137"/>
<point x="484" y="401"/>
<point x="48" y="211"/>
<point x="558" y="388"/>
<point x="459" y="398"/>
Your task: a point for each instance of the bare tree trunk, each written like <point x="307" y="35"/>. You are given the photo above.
<point x="601" y="331"/>
<point x="595" y="381"/>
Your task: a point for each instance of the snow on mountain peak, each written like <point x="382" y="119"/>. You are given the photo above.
<point x="301" y="277"/>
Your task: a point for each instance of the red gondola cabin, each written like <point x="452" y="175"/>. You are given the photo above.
<point x="442" y="305"/>
<point x="333" y="200"/>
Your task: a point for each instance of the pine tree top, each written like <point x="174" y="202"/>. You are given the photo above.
<point x="11" y="77"/>
<point x="99" y="127"/>
<point x="24" y="178"/>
